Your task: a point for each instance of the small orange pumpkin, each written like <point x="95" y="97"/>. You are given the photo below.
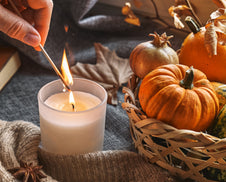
<point x="193" y="52"/>
<point x="179" y="96"/>
<point x="147" y="56"/>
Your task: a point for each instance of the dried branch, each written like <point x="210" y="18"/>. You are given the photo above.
<point x="193" y="13"/>
<point x="132" y="19"/>
<point x="156" y="9"/>
<point x="157" y="17"/>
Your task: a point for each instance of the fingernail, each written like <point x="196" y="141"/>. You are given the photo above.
<point x="32" y="39"/>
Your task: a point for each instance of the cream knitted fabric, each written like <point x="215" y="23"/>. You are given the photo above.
<point x="19" y="140"/>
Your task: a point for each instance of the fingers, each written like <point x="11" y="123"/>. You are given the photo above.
<point x="18" y="28"/>
<point x="42" y="16"/>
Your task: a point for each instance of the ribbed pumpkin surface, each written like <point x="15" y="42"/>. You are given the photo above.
<point x="162" y="97"/>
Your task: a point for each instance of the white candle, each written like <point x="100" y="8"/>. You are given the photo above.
<point x="64" y="131"/>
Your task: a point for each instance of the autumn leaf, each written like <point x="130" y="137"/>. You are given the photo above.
<point x="221" y="33"/>
<point x="133" y="21"/>
<point x="131" y="18"/>
<point x="177" y="22"/>
<point x="177" y="12"/>
<point x="215" y="31"/>
<point x="110" y="71"/>
<point x="219" y="14"/>
<point x="211" y="40"/>
<point x="182" y="10"/>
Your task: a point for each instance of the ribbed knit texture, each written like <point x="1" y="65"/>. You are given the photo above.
<point x="19" y="140"/>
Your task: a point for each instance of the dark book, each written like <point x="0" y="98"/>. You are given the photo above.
<point x="9" y="64"/>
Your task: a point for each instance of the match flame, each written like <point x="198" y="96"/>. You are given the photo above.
<point x="66" y="73"/>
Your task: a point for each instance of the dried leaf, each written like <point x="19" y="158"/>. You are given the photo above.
<point x="221" y="38"/>
<point x="218" y="14"/>
<point x="220" y="3"/>
<point x="177" y="12"/>
<point x="126" y="8"/>
<point x="177" y="23"/>
<point x="220" y="26"/>
<point x="110" y="71"/>
<point x="133" y="21"/>
<point x="182" y="10"/>
<point x="218" y="19"/>
<point x="211" y="40"/>
<point x="131" y="18"/>
<point x="171" y="11"/>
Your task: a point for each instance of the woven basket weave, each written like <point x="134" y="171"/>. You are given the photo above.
<point x="189" y="154"/>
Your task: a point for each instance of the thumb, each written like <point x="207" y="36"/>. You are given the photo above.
<point x="17" y="28"/>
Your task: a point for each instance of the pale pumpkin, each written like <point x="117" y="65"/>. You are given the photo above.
<point x="179" y="96"/>
<point x="193" y="52"/>
<point x="147" y="56"/>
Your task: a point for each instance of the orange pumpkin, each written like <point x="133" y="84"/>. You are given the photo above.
<point x="194" y="53"/>
<point x="179" y="96"/>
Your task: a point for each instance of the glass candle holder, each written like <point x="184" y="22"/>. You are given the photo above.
<point x="78" y="132"/>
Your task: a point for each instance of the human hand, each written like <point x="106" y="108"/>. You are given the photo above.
<point x="33" y="26"/>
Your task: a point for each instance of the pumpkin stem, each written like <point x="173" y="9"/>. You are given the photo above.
<point x="192" y="24"/>
<point x="160" y="41"/>
<point x="187" y="82"/>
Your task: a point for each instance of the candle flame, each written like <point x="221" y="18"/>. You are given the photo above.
<point x="72" y="100"/>
<point x="66" y="73"/>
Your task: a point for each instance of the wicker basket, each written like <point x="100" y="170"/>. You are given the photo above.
<point x="189" y="154"/>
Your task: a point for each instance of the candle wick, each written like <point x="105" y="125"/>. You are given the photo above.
<point x="73" y="107"/>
